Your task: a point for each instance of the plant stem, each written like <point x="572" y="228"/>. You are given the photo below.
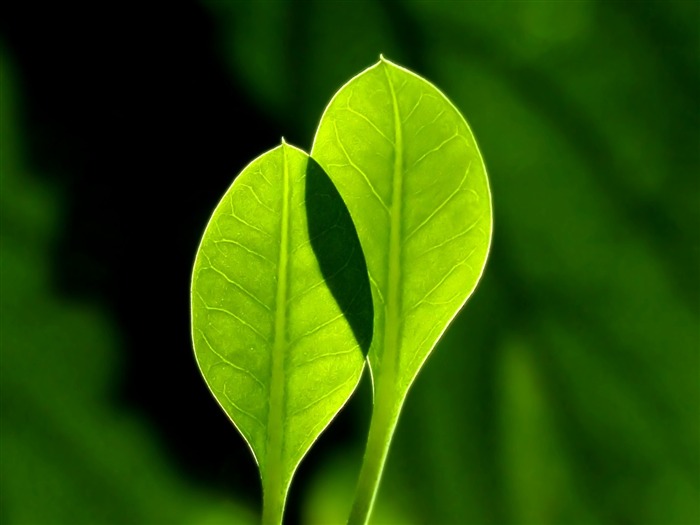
<point x="273" y="505"/>
<point x="384" y="418"/>
<point x="387" y="399"/>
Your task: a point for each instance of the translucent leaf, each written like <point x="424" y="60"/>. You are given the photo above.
<point x="281" y="311"/>
<point x="407" y="165"/>
<point x="410" y="172"/>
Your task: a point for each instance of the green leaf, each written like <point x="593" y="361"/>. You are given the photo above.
<point x="408" y="167"/>
<point x="281" y="311"/>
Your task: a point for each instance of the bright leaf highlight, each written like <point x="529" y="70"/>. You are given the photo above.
<point x="273" y="343"/>
<point x="408" y="167"/>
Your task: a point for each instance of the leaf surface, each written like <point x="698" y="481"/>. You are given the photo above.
<point x="407" y="165"/>
<point x="281" y="310"/>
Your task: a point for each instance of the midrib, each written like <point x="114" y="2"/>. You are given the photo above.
<point x="277" y="380"/>
<point x="392" y="326"/>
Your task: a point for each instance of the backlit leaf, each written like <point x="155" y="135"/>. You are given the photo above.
<point x="281" y="311"/>
<point x="407" y="165"/>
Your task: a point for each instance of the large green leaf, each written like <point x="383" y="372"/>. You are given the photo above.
<point x="410" y="172"/>
<point x="281" y="311"/>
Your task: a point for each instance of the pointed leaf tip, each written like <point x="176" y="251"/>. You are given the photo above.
<point x="433" y="249"/>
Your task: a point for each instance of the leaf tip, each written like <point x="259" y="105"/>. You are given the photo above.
<point x="384" y="61"/>
<point x="284" y="142"/>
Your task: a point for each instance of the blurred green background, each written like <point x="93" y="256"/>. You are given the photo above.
<point x="566" y="392"/>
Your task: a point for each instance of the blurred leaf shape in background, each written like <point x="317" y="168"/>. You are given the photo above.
<point x="568" y="394"/>
<point x="69" y="455"/>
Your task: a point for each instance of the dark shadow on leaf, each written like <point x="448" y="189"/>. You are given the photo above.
<point x="337" y="248"/>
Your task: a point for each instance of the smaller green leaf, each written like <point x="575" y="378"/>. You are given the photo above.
<point x="281" y="311"/>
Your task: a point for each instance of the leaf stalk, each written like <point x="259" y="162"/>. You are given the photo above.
<point x="385" y="416"/>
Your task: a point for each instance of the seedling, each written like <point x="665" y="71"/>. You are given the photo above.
<point x="311" y="266"/>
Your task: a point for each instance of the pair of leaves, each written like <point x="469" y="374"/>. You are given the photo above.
<point x="368" y="247"/>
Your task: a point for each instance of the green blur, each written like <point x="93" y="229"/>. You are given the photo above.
<point x="566" y="392"/>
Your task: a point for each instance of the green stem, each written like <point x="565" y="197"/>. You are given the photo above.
<point x="384" y="419"/>
<point x="273" y="503"/>
<point x="387" y="399"/>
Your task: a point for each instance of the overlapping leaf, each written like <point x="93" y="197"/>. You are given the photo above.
<point x="281" y="310"/>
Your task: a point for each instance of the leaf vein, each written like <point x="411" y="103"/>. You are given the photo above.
<point x="318" y="400"/>
<point x="257" y="198"/>
<point x="376" y="286"/>
<point x="434" y="150"/>
<point x="368" y="121"/>
<point x="326" y="355"/>
<point x="231" y="314"/>
<point x="238" y="286"/>
<point x="227" y="361"/>
<point x="243" y="221"/>
<point x="442" y="205"/>
<point x="325" y="279"/>
<point x="317" y="328"/>
<point x="359" y="170"/>
<point x="441" y="281"/>
<point x="242" y="411"/>
<point x="454" y="237"/>
<point x="243" y="246"/>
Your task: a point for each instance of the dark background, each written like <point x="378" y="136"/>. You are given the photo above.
<point x="566" y="392"/>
